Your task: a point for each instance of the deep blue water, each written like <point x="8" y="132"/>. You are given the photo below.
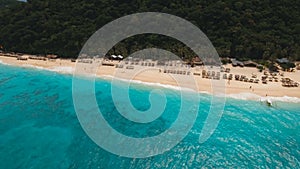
<point x="39" y="128"/>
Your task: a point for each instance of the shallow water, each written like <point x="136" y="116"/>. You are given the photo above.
<point x="39" y="128"/>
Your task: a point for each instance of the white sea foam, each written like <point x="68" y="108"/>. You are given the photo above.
<point x="34" y="67"/>
<point x="242" y="96"/>
<point x="3" y="63"/>
<point x="282" y="99"/>
<point x="251" y="96"/>
<point x="59" y="69"/>
<point x="239" y="96"/>
<point x="62" y="69"/>
<point x="23" y="65"/>
<point x="148" y="83"/>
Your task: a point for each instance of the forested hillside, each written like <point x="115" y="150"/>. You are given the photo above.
<point x="258" y="29"/>
<point x="8" y="3"/>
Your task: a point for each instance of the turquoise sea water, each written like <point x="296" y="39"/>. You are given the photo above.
<point x="39" y="128"/>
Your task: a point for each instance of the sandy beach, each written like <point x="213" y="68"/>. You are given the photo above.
<point x="156" y="75"/>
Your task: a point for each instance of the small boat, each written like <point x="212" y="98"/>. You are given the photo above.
<point x="269" y="102"/>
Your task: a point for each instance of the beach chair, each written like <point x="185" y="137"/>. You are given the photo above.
<point x="264" y="82"/>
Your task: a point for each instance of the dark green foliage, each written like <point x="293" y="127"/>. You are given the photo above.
<point x="287" y="66"/>
<point x="260" y="68"/>
<point x="258" y="29"/>
<point x="272" y="68"/>
<point x="8" y="3"/>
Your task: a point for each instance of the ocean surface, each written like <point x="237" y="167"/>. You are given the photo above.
<point x="39" y="128"/>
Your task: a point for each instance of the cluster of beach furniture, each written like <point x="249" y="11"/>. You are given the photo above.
<point x="177" y="67"/>
<point x="209" y="75"/>
<point x="227" y="76"/>
<point x="89" y="61"/>
<point x="173" y="67"/>
<point x="214" y="74"/>
<point x="287" y="82"/>
<point x="131" y="64"/>
<point x="179" y="72"/>
<point x="244" y="78"/>
<point x="270" y="77"/>
<point x="170" y="67"/>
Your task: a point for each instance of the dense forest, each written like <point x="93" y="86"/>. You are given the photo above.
<point x="258" y="29"/>
<point x="8" y="3"/>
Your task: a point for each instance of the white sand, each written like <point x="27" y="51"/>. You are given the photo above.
<point x="152" y="75"/>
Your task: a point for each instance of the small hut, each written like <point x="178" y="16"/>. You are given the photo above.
<point x="282" y="60"/>
<point x="52" y="56"/>
<point x="236" y="63"/>
<point x="113" y="57"/>
<point x="250" y="63"/>
<point x="22" y="57"/>
<point x="120" y="57"/>
<point x="197" y="61"/>
<point x="33" y="57"/>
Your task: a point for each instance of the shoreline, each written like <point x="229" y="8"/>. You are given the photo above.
<point x="236" y="89"/>
<point x="238" y="96"/>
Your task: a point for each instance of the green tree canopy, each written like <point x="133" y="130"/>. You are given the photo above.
<point x="258" y="29"/>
